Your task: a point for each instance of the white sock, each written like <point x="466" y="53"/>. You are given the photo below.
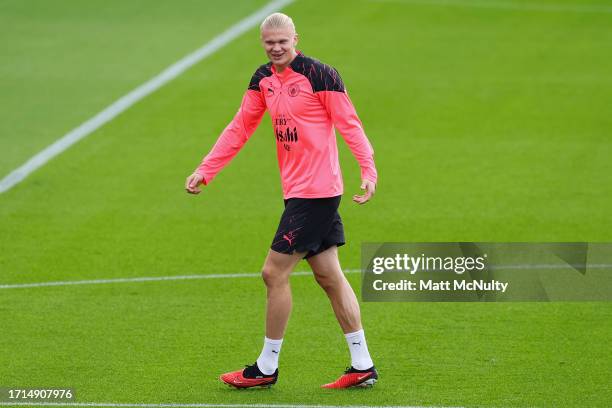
<point x="268" y="359"/>
<point x="360" y="356"/>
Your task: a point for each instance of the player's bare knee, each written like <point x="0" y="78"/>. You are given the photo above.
<point x="267" y="274"/>
<point x="274" y="277"/>
<point x="328" y="282"/>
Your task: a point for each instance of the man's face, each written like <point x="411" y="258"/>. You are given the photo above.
<point x="279" y="45"/>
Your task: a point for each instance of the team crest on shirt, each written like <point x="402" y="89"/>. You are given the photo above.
<point x="293" y="90"/>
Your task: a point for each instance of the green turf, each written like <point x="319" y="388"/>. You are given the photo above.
<point x="63" y="61"/>
<point x="488" y="124"/>
<point x="166" y="342"/>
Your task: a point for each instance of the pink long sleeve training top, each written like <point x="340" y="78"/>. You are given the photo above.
<point x="306" y="101"/>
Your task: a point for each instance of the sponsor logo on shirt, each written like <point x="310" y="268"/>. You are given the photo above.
<point x="285" y="133"/>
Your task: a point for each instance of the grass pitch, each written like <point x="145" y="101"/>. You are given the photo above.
<point x="489" y="124"/>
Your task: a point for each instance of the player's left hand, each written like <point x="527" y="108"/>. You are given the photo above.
<point x="370" y="188"/>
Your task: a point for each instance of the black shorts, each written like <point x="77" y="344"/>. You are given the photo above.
<point x="309" y="225"/>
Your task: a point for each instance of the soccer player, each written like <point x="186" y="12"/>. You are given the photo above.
<point x="306" y="100"/>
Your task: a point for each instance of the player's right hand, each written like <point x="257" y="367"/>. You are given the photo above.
<point x="192" y="183"/>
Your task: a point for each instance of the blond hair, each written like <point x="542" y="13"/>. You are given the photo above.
<point x="277" y="21"/>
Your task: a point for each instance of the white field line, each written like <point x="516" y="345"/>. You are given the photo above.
<point x="152" y="279"/>
<point x="112" y="404"/>
<point x="506" y="5"/>
<point x="257" y="275"/>
<point x="126" y="101"/>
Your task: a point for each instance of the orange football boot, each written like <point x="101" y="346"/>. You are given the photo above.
<point x="251" y="376"/>
<point x="355" y="378"/>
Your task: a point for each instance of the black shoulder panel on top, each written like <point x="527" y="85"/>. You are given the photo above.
<point x="262" y="72"/>
<point x="322" y="77"/>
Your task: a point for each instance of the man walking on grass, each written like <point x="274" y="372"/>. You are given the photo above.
<point x="306" y="100"/>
